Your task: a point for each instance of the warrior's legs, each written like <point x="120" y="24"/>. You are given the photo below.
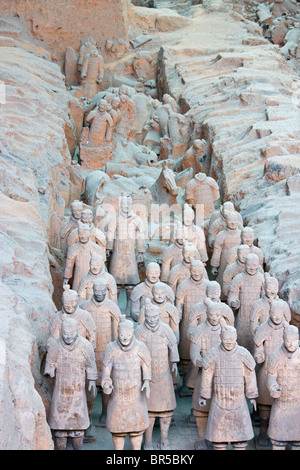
<point x="136" y="441"/>
<point x="61" y="443"/>
<point x="105" y="399"/>
<point x="165" y="422"/>
<point x="118" y="441"/>
<point x="264" y="414"/>
<point x="77" y="442"/>
<point x="148" y="445"/>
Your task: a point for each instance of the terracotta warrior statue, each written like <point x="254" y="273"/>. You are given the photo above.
<point x="101" y="123"/>
<point x="260" y="310"/>
<point x="87" y="44"/>
<point x="190" y="291"/>
<point x="97" y="271"/>
<point x="71" y="361"/>
<point x="217" y="222"/>
<point x="126" y="241"/>
<point x="194" y="233"/>
<point x="244" y="290"/>
<point x="283" y="385"/>
<point x="168" y="312"/>
<point x="106" y="315"/>
<point x="92" y="71"/>
<point x="181" y="271"/>
<point x="204" y="337"/>
<point x="70" y="224"/>
<point x="79" y="255"/>
<point x="173" y="254"/>
<point x="144" y="290"/>
<point x="224" y="240"/>
<point x="235" y="268"/>
<point x="162" y="344"/>
<point x="228" y="377"/>
<point x="247" y="238"/>
<point x="126" y="373"/>
<point x="71" y="309"/>
<point x="196" y="157"/>
<point x="202" y="191"/>
<point x="267" y="338"/>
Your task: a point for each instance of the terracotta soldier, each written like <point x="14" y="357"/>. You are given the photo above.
<point x="97" y="236"/>
<point x="194" y="233"/>
<point x="244" y="290"/>
<point x="71" y="361"/>
<point x="235" y="268"/>
<point x="225" y="240"/>
<point x="260" y="310"/>
<point x="204" y="337"/>
<point x="228" y="377"/>
<point x="106" y="315"/>
<point x="125" y="128"/>
<point x="115" y="112"/>
<point x="92" y="71"/>
<point x="198" y="312"/>
<point x="79" y="255"/>
<point x="247" y="238"/>
<point x="267" y="338"/>
<point x="172" y="255"/>
<point x="217" y="222"/>
<point x="162" y="345"/>
<point x="126" y="372"/>
<point x="71" y="309"/>
<point x="97" y="271"/>
<point x="283" y="385"/>
<point x="126" y="241"/>
<point x="202" y="191"/>
<point x="70" y="224"/>
<point x="86" y="45"/>
<point x="144" y="290"/>
<point x="101" y="124"/>
<point x="190" y="291"/>
<point x="181" y="271"/>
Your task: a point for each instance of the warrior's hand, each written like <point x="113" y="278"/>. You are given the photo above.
<point x="146" y="387"/>
<point x="259" y="357"/>
<point x="92" y="388"/>
<point x="107" y="388"/>
<point x="275" y="391"/>
<point x="214" y="271"/>
<point x="202" y="401"/>
<point x="253" y="403"/>
<point x="175" y="369"/>
<point x="235" y="304"/>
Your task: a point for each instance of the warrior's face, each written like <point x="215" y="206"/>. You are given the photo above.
<point x="276" y="315"/>
<point x="125" y="334"/>
<point x="70" y="302"/>
<point x="251" y="265"/>
<point x="197" y="271"/>
<point x="271" y="289"/>
<point x="213" y="317"/>
<point x="99" y="292"/>
<point x="84" y="234"/>
<point x="76" y="211"/>
<point x="96" y="265"/>
<point x="228" y="339"/>
<point x="153" y="273"/>
<point x="69" y="334"/>
<point x="159" y="295"/>
<point x="152" y="318"/>
<point x="291" y="341"/>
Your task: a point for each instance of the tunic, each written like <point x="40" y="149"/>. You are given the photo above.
<point x="78" y="259"/>
<point x="267" y="338"/>
<point x="125" y="236"/>
<point x="204" y="190"/>
<point x="247" y="289"/>
<point x="284" y="369"/>
<point x="126" y="368"/>
<point x="71" y="366"/>
<point x="227" y="376"/>
<point x="162" y="345"/>
<point x="106" y="316"/>
<point x="196" y="236"/>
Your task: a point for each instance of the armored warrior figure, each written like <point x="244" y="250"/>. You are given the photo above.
<point x="101" y="123"/>
<point x="195" y="157"/>
<point x="92" y="73"/>
<point x="194" y="233"/>
<point x="235" y="268"/>
<point x="162" y="345"/>
<point x="190" y="291"/>
<point x="283" y="383"/>
<point x="267" y="338"/>
<point x="97" y="236"/>
<point x="106" y="315"/>
<point x="204" y="337"/>
<point x="225" y="240"/>
<point x="71" y="361"/>
<point x="79" y="255"/>
<point x="144" y="290"/>
<point x="71" y="309"/>
<point x="126" y="373"/>
<point x="228" y="377"/>
<point x="260" y="310"/>
<point x="87" y="44"/>
<point x="217" y="222"/>
<point x="173" y="254"/>
<point x="181" y="271"/>
<point x="247" y="238"/>
<point x="202" y="190"/>
<point x="126" y="240"/>
<point x="97" y="271"/>
<point x="244" y="290"/>
<point x="70" y="224"/>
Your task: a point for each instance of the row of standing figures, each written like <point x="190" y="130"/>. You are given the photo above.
<point x="231" y="335"/>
